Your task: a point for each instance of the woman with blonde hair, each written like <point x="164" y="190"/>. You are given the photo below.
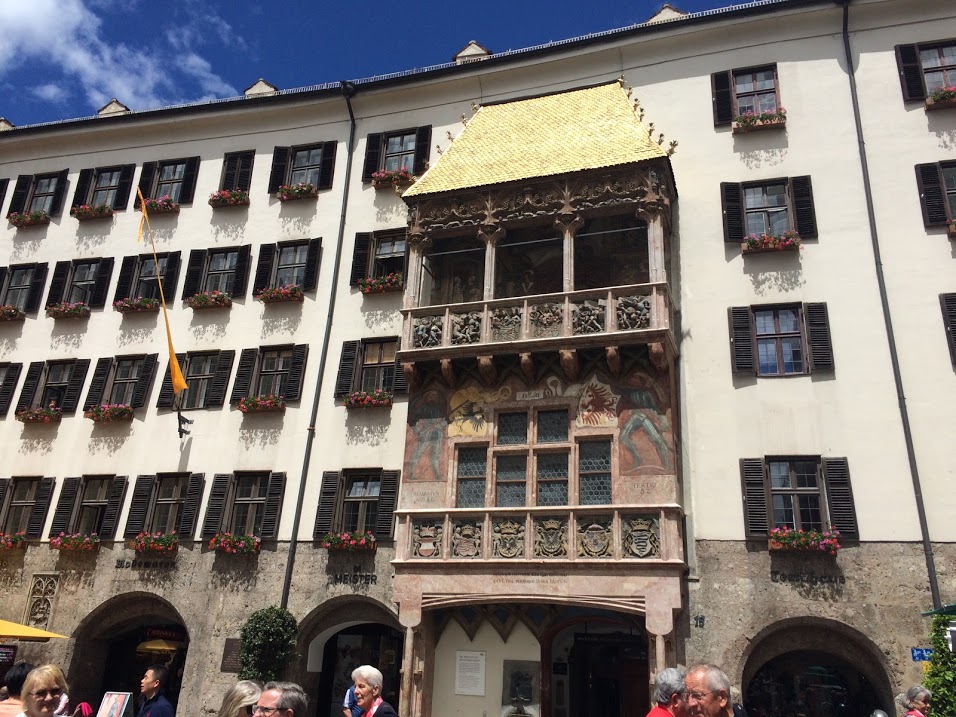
<point x="240" y="698"/>
<point x="42" y="690"/>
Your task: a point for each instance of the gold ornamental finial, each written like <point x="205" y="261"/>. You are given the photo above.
<point x="450" y="138"/>
<point x="464" y="120"/>
<point x="672" y="148"/>
<point x="439" y="150"/>
<point x="475" y="106"/>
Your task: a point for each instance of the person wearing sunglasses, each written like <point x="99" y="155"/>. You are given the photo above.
<point x="281" y="699"/>
<point x="240" y="699"/>
<point x="42" y="690"/>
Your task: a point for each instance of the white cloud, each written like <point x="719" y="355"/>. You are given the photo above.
<point x="67" y="34"/>
<point x="51" y="92"/>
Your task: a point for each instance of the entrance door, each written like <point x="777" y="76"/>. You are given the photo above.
<point x="131" y="653"/>
<point x="608" y="675"/>
<point x="370" y="644"/>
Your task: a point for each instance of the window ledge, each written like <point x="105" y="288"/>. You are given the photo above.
<point x="198" y="302"/>
<point x="21" y="221"/>
<point x="92" y="214"/>
<point x="933" y="105"/>
<point x="8" y="313"/>
<point x="162" y="208"/>
<point x="745" y="249"/>
<point x="127" y="308"/>
<point x="759" y="125"/>
<point x="65" y="312"/>
<point x="776" y="546"/>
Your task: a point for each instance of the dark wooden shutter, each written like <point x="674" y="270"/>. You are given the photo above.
<point x="805" y="219"/>
<point x="230" y="172"/>
<point x="65" y="505"/>
<point x="311" y="278"/>
<point x="216" y="395"/>
<point x="387" y="496"/>
<point x="82" y="193"/>
<point x="59" y="193"/>
<point x="836" y="471"/>
<point x="756" y="497"/>
<point x="9" y="385"/>
<point x="263" y="277"/>
<point x="71" y="397"/>
<point x="328" y="165"/>
<point x="61" y="274"/>
<point x="343" y="379"/>
<point x="187" y="519"/>
<point x="373" y="150"/>
<point x="139" y="505"/>
<point x="818" y="337"/>
<point x="144" y="381"/>
<point x="124" y="283"/>
<point x="212" y="521"/>
<point x="114" y="504"/>
<point x="240" y="276"/>
<point x="911" y="72"/>
<point x="166" y="395"/>
<point x="194" y="270"/>
<point x="932" y="199"/>
<point x="32" y="304"/>
<point x="4" y="183"/>
<point x="188" y="189"/>
<point x="741" y="339"/>
<point x="273" y="506"/>
<point x="327" y="498"/>
<point x="104" y="272"/>
<point x="101" y="374"/>
<point x="21" y="191"/>
<point x="732" y="205"/>
<point x="423" y="140"/>
<point x="30" y="384"/>
<point x="121" y="198"/>
<point x="300" y="353"/>
<point x="146" y="182"/>
<point x="280" y="166"/>
<point x="244" y="172"/>
<point x="399" y="381"/>
<point x="722" y="97"/>
<point x="363" y="245"/>
<point x="946" y="301"/>
<point x="244" y="373"/>
<point x="171" y="274"/>
<point x="4" y="484"/>
<point x="41" y="505"/>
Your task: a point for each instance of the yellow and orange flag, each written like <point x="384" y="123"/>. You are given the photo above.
<point x="175" y="372"/>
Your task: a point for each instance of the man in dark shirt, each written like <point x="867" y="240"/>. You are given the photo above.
<point x="151" y="687"/>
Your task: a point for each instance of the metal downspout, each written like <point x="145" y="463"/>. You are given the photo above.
<point x="348" y="91"/>
<point x="887" y="319"/>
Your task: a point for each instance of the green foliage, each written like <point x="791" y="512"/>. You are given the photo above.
<point x="941" y="677"/>
<point x="266" y="644"/>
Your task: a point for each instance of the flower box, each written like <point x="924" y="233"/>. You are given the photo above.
<point x="66" y="310"/>
<point x="761" y="243"/>
<point x="399" y="179"/>
<point x="368" y="399"/>
<point x="262" y="404"/>
<point x="163" y="205"/>
<point x="12" y="542"/>
<point x="209" y="300"/>
<point x="230" y="544"/>
<point x="135" y="305"/>
<point x="109" y="412"/>
<point x="229" y="198"/>
<point x="348" y="542"/>
<point x="759" y="125"/>
<point x="28" y="219"/>
<point x="87" y="212"/>
<point x="75" y="542"/>
<point x="294" y="192"/>
<point x="279" y="294"/>
<point x="49" y="414"/>
<point x="11" y="313"/>
<point x="942" y="99"/>
<point x="381" y="284"/>
<point x="155" y="543"/>
<point x="815" y="542"/>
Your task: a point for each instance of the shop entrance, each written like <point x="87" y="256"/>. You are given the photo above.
<point x="367" y="644"/>
<point x="132" y="652"/>
<point x="607" y="675"/>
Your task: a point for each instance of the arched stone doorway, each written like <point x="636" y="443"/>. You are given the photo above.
<point x="115" y="644"/>
<point x="338" y="636"/>
<point x="814" y="668"/>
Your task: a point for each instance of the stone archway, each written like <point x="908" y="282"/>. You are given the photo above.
<point x="115" y="620"/>
<point x="809" y="639"/>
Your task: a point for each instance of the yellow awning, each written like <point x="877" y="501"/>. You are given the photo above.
<point x="25" y="632"/>
<point x="556" y="134"/>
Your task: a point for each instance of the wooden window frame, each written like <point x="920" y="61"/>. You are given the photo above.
<point x="101" y="385"/>
<point x="150" y="179"/>
<point x="365" y="253"/>
<point x="197" y="271"/>
<point x="351" y="363"/>
<point x="215" y="395"/>
<point x="26" y="503"/>
<point x="282" y="160"/>
<point x="41" y="504"/>
<point x="375" y="145"/>
<point x="23" y="192"/>
<point x="800" y="207"/>
<point x="37" y="284"/>
<point x="778" y="336"/>
<point x="816" y="341"/>
<point x="724" y="97"/>
<point x="86" y="186"/>
<point x="146" y="490"/>
<point x="8" y="384"/>
<point x="249" y="369"/>
<point x="33" y="385"/>
<point x="129" y="276"/>
<point x="237" y="171"/>
<point x="69" y="505"/>
<point x="221" y="502"/>
<point x="912" y="74"/>
<point x="267" y="265"/>
<point x="63" y="282"/>
<point x="931" y="186"/>
<point x="330" y="510"/>
<point x="947" y="303"/>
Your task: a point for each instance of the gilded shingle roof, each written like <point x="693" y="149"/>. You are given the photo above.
<point x="539" y="137"/>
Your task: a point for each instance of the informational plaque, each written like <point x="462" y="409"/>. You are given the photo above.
<point x="230" y="655"/>
<point x="470" y="673"/>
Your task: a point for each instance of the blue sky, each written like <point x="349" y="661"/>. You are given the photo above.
<point x="66" y="58"/>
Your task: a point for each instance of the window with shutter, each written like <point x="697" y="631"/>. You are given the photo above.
<point x="4" y="183"/>
<point x="123" y="380"/>
<point x="926" y="69"/>
<point x="114" y="504"/>
<point x="216" y="505"/>
<point x="23" y="497"/>
<point x="39" y="193"/>
<point x="288" y="264"/>
<point x="21" y="286"/>
<point x="304" y="164"/>
<point x="9" y="376"/>
<point x="211" y="271"/>
<point x="194" y="491"/>
<point x="745" y="91"/>
<point x="175" y="179"/>
<point x="357" y="501"/>
<point x="771" y="207"/>
<point x="65" y="506"/>
<point x="80" y="281"/>
<point x="237" y="171"/>
<point x="393" y="151"/>
<point x="139" y="505"/>
<point x="109" y="186"/>
<point x="936" y="183"/>
<point x="370" y="365"/>
<point x="55" y="382"/>
<point x="169" y="500"/>
<point x="780" y="340"/>
<point x="140" y="276"/>
<point x="948" y="304"/>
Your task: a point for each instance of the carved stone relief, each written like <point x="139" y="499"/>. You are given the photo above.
<point x="42" y="592"/>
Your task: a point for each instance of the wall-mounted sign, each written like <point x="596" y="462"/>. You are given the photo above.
<point x="230" y="655"/>
<point x="470" y="673"/>
<point x="921" y="654"/>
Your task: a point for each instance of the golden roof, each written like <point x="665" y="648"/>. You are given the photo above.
<point x="539" y="137"/>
